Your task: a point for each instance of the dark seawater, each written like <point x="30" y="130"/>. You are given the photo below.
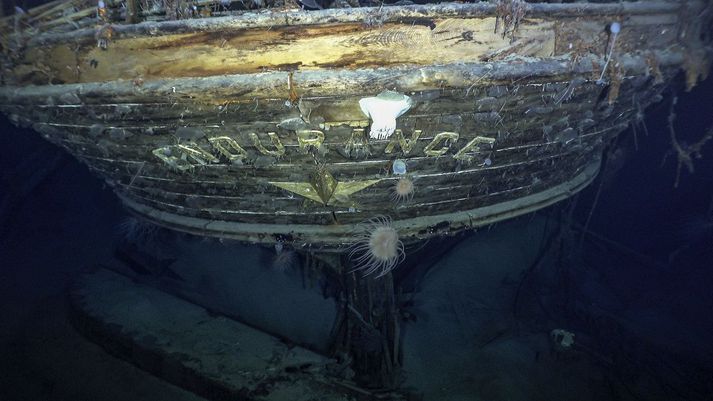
<point x="631" y="277"/>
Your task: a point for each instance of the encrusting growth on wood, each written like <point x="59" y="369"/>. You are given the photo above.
<point x="684" y="153"/>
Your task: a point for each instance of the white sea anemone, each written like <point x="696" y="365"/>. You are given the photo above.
<point x="133" y="230"/>
<point x="403" y="190"/>
<point x="378" y="248"/>
<point x="285" y="259"/>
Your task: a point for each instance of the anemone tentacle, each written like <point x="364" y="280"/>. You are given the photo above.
<point x="377" y="248"/>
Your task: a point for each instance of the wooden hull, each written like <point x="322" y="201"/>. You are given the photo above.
<point x="251" y="127"/>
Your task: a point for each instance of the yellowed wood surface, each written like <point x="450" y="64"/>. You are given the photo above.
<point x="283" y="48"/>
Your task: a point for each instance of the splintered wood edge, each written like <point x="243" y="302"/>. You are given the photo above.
<point x="362" y="14"/>
<point x="272" y="85"/>
<point x="333" y="237"/>
<point x="228" y="46"/>
<point x="284" y="48"/>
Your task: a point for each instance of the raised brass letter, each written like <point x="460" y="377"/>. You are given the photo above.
<point x="166" y="154"/>
<point x="406" y="144"/>
<point x="279" y="147"/>
<point x="200" y="156"/>
<point x="309" y="137"/>
<point x="229" y="148"/>
<point x="468" y="157"/>
<point x="447" y="137"/>
<point x="177" y="156"/>
<point x="357" y="145"/>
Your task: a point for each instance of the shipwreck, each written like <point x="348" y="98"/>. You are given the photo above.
<point x="312" y="129"/>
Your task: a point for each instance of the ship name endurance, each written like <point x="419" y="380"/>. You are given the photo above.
<point x="189" y="155"/>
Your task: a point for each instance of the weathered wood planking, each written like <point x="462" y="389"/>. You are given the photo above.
<point x="241" y="51"/>
<point x="525" y="160"/>
<point x="273" y="86"/>
<point x="165" y="118"/>
<point x="332" y="235"/>
<point x="239" y="188"/>
<point x="206" y="50"/>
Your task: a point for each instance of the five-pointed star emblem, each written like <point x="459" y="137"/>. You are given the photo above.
<point x="324" y="188"/>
